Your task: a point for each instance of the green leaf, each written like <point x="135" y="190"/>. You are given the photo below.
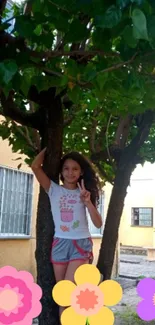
<point x="110" y="19"/>
<point x="93" y="103"/>
<point x="24" y="26"/>
<point x="16" y="81"/>
<point x="129" y="37"/>
<point x="102" y="79"/>
<point x="122" y="3"/>
<point x="4" y="130"/>
<point x="4" y="26"/>
<point x="8" y="69"/>
<point x="139" y="25"/>
<point x="63" y="81"/>
<point x="38" y="30"/>
<point x="101" y="39"/>
<point x="22" y="58"/>
<point x="25" y="86"/>
<point x="19" y="166"/>
<point x="37" y="6"/>
<point x="90" y="72"/>
<point x="75" y="94"/>
<point x="71" y="68"/>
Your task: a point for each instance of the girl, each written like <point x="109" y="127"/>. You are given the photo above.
<point x="72" y="244"/>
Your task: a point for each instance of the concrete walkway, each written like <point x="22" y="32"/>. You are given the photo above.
<point x="131" y="268"/>
<point x="135" y="266"/>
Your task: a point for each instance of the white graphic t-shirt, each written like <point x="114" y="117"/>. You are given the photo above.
<point x="69" y="212"/>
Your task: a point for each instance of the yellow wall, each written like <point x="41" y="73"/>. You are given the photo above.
<point x="141" y="195"/>
<point x="18" y="253"/>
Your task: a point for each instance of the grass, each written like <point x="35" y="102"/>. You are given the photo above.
<point x="143" y="277"/>
<point x="129" y="317"/>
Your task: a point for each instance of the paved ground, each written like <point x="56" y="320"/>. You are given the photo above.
<point x="141" y="268"/>
<point x="132" y="266"/>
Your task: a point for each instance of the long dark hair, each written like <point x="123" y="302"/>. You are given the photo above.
<point x="89" y="176"/>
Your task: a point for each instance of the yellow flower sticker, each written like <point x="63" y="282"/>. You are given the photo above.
<point x="88" y="300"/>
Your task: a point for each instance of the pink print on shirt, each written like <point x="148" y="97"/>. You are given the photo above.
<point x="67" y="207"/>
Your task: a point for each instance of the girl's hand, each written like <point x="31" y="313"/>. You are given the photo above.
<point x="84" y="194"/>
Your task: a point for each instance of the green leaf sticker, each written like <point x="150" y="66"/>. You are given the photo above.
<point x="75" y="224"/>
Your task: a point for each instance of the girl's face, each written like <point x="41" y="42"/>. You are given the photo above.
<point x="71" y="171"/>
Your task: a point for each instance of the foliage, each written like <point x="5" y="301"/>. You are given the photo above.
<point x="98" y="55"/>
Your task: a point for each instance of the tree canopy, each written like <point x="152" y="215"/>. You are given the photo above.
<point x="100" y="58"/>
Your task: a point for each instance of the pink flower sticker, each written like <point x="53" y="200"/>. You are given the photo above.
<point x="19" y="297"/>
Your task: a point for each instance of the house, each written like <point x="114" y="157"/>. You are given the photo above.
<point x="138" y="218"/>
<point x="18" y="209"/>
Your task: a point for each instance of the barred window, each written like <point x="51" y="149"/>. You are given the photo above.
<point x="93" y="230"/>
<point x="142" y="217"/>
<point x="15" y="203"/>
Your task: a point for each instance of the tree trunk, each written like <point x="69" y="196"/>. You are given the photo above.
<point x="110" y="236"/>
<point x="128" y="161"/>
<point x="52" y="136"/>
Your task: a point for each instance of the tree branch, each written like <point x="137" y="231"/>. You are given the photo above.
<point x="28" y="8"/>
<point x="115" y="153"/>
<point x="103" y="173"/>
<point x="24" y="135"/>
<point x="91" y="54"/>
<point x="92" y="136"/>
<point x="68" y="120"/>
<point x="107" y="140"/>
<point x="19" y="42"/>
<point x="37" y="139"/>
<point x="119" y="65"/>
<point x="58" y="6"/>
<point x="142" y="134"/>
<point x="101" y="155"/>
<point x="10" y="110"/>
<point x="122" y="131"/>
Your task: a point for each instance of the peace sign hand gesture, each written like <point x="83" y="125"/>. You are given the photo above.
<point x="84" y="194"/>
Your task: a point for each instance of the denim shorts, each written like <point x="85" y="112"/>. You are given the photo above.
<point x="66" y="250"/>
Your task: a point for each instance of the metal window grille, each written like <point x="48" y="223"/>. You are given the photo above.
<point x="142" y="217"/>
<point x="16" y="189"/>
<point x="93" y="230"/>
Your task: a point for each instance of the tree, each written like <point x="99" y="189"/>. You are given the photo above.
<point x="75" y="62"/>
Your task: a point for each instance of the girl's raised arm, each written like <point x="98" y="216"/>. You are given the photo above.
<point x="36" y="166"/>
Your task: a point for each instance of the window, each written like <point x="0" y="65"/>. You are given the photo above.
<point x="142" y="217"/>
<point x="93" y="230"/>
<point x="15" y="203"/>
